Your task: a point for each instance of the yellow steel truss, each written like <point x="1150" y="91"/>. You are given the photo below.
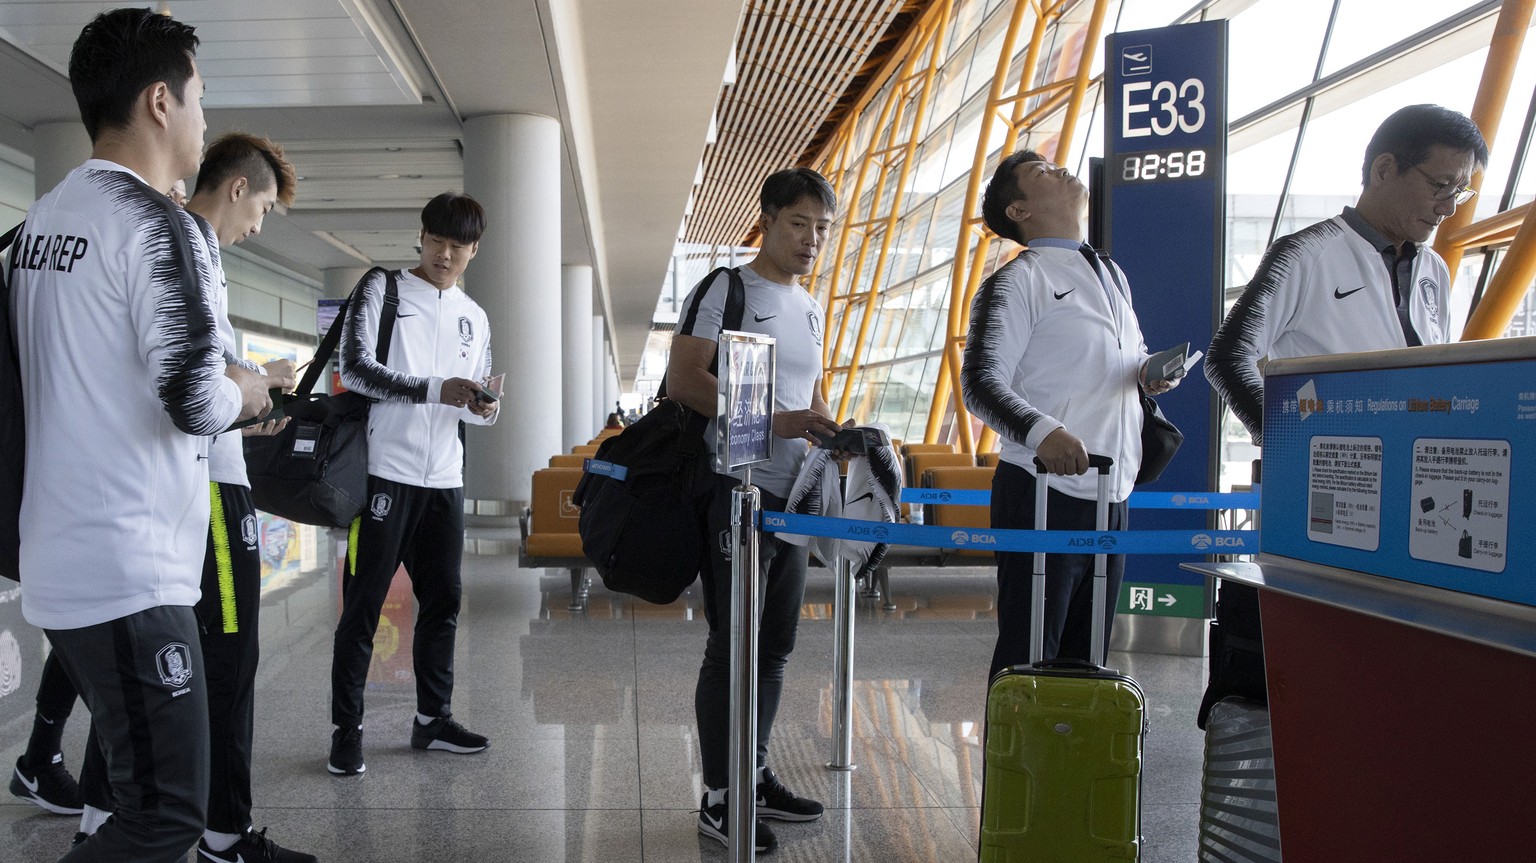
<point x="892" y="143"/>
<point x="1513" y="277"/>
<point x="887" y="153"/>
<point x="966" y="271"/>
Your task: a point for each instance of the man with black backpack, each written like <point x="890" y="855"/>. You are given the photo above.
<point x="123" y="379"/>
<point x="433" y="380"/>
<point x="797" y="210"/>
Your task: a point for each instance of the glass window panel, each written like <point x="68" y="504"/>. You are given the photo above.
<point x="1254" y="178"/>
<point x="893" y="315"/>
<point x="1362" y="29"/>
<point x="983" y="67"/>
<point x="962" y="147"/>
<point x="949" y="86"/>
<point x="909" y="244"/>
<point x="1256" y="74"/>
<point x="1334" y="146"/>
<point x="867" y="392"/>
<point x="926" y="177"/>
<point x="1146" y="14"/>
<point x="844" y="355"/>
<point x="900" y="396"/>
<point x="945" y="233"/>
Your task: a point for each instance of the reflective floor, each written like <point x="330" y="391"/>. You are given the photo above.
<point x="594" y="755"/>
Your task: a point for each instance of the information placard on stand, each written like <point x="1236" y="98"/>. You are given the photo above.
<point x="744" y="433"/>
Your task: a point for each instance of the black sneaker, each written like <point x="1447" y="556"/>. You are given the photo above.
<point x="712" y="824"/>
<point x="779" y="803"/>
<point x="347" y="752"/>
<point x="252" y="847"/>
<point x="49" y="786"/>
<point x="448" y="735"/>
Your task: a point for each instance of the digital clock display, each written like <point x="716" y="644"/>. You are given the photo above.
<point x="1159" y="165"/>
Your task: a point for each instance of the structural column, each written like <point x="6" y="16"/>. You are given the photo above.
<point x="57" y="149"/>
<point x="512" y="167"/>
<point x="576" y="351"/>
<point x="339" y="281"/>
<point x="599" y="390"/>
<point x="611" y="388"/>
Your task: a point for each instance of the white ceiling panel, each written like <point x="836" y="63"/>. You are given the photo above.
<point x="303" y="34"/>
<point x="368" y="98"/>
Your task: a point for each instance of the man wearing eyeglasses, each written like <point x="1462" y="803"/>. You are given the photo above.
<point x="1362" y="280"/>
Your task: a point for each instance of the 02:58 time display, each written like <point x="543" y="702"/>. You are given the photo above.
<point x="1164" y="165"/>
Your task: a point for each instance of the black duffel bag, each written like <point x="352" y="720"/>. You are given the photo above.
<point x="644" y="496"/>
<point x="315" y="471"/>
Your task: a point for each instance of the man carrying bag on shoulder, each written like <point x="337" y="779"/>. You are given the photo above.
<point x="414" y="510"/>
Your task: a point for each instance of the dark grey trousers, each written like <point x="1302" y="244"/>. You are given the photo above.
<point x="141" y="676"/>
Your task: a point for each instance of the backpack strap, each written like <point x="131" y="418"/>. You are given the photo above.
<point x="333" y="335"/>
<point x="730" y="319"/>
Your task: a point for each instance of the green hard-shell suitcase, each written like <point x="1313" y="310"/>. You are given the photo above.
<point x="1063" y="750"/>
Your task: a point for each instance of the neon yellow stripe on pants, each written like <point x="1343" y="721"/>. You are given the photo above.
<point x="219" y="529"/>
<point x="357" y="524"/>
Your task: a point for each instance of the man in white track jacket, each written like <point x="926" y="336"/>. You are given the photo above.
<point x="1363" y="280"/>
<point x="1052" y="362"/>
<point x="439" y="355"/>
<point x="123" y="383"/>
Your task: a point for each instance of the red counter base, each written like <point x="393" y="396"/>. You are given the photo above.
<point x="1397" y="744"/>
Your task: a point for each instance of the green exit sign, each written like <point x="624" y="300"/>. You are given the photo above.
<point x="1162" y="600"/>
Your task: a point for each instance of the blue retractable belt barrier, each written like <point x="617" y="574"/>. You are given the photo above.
<point x="1051" y="541"/>
<point x="605" y="468"/>
<point x="1138" y="499"/>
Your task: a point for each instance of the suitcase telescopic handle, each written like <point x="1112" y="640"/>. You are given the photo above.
<point x="1100" y="463"/>
<point x="1098" y="648"/>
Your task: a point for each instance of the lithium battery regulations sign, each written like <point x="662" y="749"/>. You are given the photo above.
<point x="1461" y="502"/>
<point x="1344" y="491"/>
<point x="1406" y="472"/>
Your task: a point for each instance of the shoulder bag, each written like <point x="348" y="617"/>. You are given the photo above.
<point x="315" y="471"/>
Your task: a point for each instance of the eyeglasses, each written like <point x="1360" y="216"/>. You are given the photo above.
<point x="1448" y="191"/>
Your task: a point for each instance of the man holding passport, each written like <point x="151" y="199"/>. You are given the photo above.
<point x="1052" y="363"/>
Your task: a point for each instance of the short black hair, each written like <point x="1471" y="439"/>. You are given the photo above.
<point x="1411" y="132"/>
<point x="257" y="159"/>
<point x="120" y="53"/>
<point x="1002" y="190"/>
<point x="455" y="216"/>
<point x="786" y="188"/>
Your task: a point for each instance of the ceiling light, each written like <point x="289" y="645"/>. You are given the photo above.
<point x="389" y="176"/>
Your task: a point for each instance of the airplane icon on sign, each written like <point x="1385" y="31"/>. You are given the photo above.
<point x="1135" y="60"/>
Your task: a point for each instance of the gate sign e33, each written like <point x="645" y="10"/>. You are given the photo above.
<point x="1164" y="221"/>
<point x="1166" y="103"/>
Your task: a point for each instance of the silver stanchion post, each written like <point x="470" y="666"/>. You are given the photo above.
<point x="842" y="667"/>
<point x="742" y="815"/>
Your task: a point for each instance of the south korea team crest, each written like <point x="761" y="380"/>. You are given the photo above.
<point x="1431" y="294"/>
<point x="248" y="531"/>
<point x="380" y="506"/>
<point x="174" y="662"/>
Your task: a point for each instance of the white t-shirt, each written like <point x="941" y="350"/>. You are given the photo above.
<point x="794" y="320"/>
<point x="123" y="383"/>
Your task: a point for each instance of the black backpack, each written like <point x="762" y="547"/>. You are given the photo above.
<point x="644" y="496"/>
<point x="13" y="429"/>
